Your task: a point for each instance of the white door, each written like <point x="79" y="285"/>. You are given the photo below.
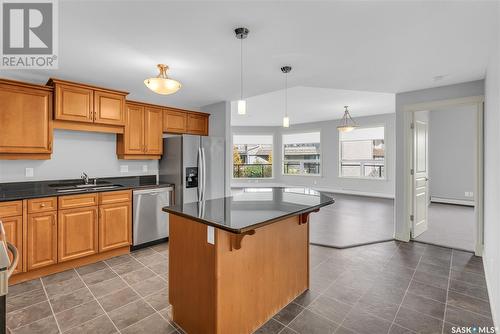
<point x="420" y="172"/>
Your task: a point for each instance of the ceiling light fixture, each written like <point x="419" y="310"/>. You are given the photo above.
<point x="286" y="119"/>
<point x="162" y="84"/>
<point x="347" y="123"/>
<point x="241" y="34"/>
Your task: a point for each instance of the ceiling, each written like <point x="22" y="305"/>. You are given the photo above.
<point x="365" y="46"/>
<point x="311" y="104"/>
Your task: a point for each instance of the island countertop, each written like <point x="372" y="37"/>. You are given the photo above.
<point x="250" y="208"/>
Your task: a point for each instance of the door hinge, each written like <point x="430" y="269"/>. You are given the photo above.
<point x="412" y="125"/>
<point x="411" y="217"/>
<point x="411" y="171"/>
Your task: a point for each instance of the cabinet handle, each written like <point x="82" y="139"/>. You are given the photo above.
<point x="42" y="205"/>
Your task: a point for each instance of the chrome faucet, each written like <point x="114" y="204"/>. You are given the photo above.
<point x="85" y="178"/>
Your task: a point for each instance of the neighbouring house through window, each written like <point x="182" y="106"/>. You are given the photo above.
<point x="252" y="156"/>
<point x="362" y="153"/>
<point x="301" y="154"/>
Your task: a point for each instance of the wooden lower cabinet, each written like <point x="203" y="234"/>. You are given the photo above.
<point x="42" y="240"/>
<point x="77" y="233"/>
<point x="14" y="233"/>
<point x="115" y="227"/>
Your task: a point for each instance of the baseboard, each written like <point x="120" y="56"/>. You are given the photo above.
<point x="493" y="306"/>
<point x="442" y="200"/>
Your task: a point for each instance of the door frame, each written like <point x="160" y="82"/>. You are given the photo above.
<point x="408" y="110"/>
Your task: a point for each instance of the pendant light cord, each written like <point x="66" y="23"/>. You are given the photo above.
<point x="241" y="68"/>
<point x="286" y="94"/>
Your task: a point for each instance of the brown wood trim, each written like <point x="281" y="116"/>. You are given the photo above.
<point x="53" y="81"/>
<point x="92" y="127"/>
<point x="25" y="84"/>
<point x="24" y="257"/>
<point x="25" y="156"/>
<point x="56" y="268"/>
<point x="236" y="239"/>
<point x="304" y="217"/>
<point x="139" y="157"/>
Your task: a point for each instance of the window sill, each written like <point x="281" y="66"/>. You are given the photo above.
<point x="362" y="178"/>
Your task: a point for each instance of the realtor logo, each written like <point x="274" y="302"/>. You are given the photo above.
<point x="29" y="34"/>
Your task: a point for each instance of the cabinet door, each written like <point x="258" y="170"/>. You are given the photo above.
<point x="42" y="240"/>
<point x="197" y="124"/>
<point x="14" y="233"/>
<point x="153" y="134"/>
<point x="174" y="121"/>
<point x="25" y="120"/>
<point x="115" y="228"/>
<point x="134" y="130"/>
<point x="77" y="233"/>
<point x="74" y="103"/>
<point x="109" y="108"/>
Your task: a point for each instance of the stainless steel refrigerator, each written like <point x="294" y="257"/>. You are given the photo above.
<point x="195" y="165"/>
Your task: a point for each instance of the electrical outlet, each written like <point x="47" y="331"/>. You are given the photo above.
<point x="315" y="182"/>
<point x="124" y="168"/>
<point x="144" y="168"/>
<point x="469" y="194"/>
<point x="29" y="172"/>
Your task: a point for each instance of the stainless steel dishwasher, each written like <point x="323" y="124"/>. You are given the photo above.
<point x="150" y="223"/>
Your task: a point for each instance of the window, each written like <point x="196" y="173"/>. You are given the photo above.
<point x="362" y="153"/>
<point x="252" y="156"/>
<point x="301" y="154"/>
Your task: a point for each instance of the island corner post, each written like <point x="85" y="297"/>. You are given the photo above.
<point x="238" y="282"/>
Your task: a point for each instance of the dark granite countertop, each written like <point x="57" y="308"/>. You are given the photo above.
<point x="36" y="189"/>
<point x="250" y="208"/>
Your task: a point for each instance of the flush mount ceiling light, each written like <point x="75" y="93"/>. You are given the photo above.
<point x="241" y="34"/>
<point x="286" y="120"/>
<point x="347" y="123"/>
<point x="162" y="84"/>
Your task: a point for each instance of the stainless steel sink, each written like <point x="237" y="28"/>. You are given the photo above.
<point x="86" y="187"/>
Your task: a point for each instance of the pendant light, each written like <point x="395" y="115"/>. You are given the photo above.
<point x="162" y="84"/>
<point x="347" y="123"/>
<point x="286" y="119"/>
<point x="241" y="34"/>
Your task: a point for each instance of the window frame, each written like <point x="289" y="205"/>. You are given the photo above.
<point x="272" y="152"/>
<point x="339" y="156"/>
<point x="320" y="152"/>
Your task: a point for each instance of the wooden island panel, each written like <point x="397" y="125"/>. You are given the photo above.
<point x="221" y="289"/>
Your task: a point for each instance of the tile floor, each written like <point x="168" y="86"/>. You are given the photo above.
<point x="389" y="287"/>
<point x="353" y="220"/>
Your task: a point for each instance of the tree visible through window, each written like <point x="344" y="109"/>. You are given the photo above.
<point x="252" y="156"/>
<point x="362" y="153"/>
<point x="301" y="154"/>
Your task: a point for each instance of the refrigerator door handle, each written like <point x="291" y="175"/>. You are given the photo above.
<point x="204" y="180"/>
<point x="199" y="190"/>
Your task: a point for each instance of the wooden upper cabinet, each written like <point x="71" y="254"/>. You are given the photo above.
<point x="77" y="233"/>
<point x="133" y="135"/>
<point x="109" y="108"/>
<point x="153" y="134"/>
<point x="25" y="121"/>
<point x="42" y="240"/>
<point x="88" y="108"/>
<point x="14" y="233"/>
<point x="174" y="121"/>
<point x="74" y="103"/>
<point x="197" y="124"/>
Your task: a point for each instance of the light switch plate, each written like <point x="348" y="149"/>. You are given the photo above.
<point x="144" y="168"/>
<point x="211" y="235"/>
<point x="124" y="168"/>
<point x="29" y="172"/>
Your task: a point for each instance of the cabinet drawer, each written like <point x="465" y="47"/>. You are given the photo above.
<point x="115" y="197"/>
<point x="9" y="209"/>
<point x="42" y="204"/>
<point x="77" y="201"/>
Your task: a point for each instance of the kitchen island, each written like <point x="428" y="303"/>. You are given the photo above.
<point x="236" y="261"/>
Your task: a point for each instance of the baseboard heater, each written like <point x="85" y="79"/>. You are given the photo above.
<point x="451" y="201"/>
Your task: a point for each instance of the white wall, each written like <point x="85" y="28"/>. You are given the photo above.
<point x="329" y="179"/>
<point x="466" y="89"/>
<point x="452" y="152"/>
<point x="491" y="254"/>
<point x="73" y="153"/>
